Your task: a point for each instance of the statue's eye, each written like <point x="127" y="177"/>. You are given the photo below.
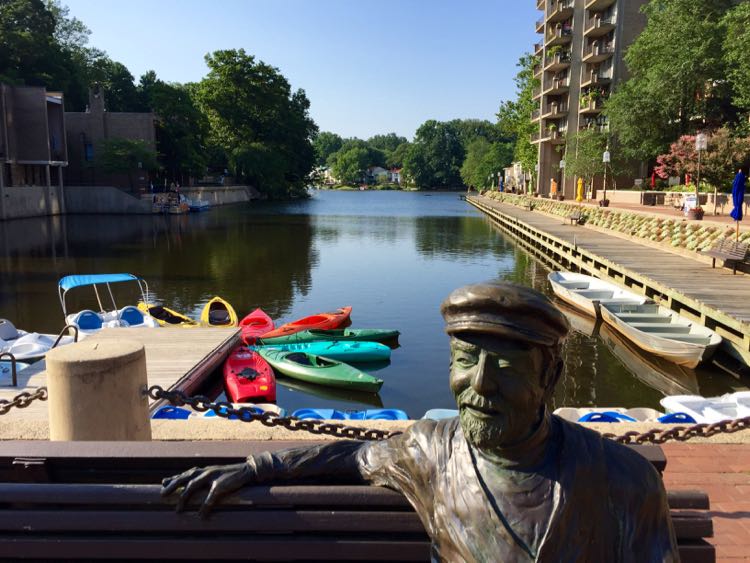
<point x="465" y="360"/>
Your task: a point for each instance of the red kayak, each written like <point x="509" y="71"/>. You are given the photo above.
<point x="248" y="378"/>
<point x="324" y="321"/>
<point x="255" y="324"/>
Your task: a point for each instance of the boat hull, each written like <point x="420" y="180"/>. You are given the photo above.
<point x="586" y="293"/>
<point x="218" y="313"/>
<point x="322" y="321"/>
<point x="337" y="335"/>
<point x="255" y="324"/>
<point x="315" y="369"/>
<point x="248" y="378"/>
<point x="342" y="351"/>
<point x="167" y="317"/>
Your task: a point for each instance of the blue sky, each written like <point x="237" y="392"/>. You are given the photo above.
<point x="367" y="66"/>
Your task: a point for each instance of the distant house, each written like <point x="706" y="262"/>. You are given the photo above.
<point x="33" y="150"/>
<point x="86" y="130"/>
<point x="394" y="175"/>
<point x="375" y="173"/>
<point x="326" y="175"/>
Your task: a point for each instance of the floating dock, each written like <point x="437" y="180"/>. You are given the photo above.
<point x="176" y="358"/>
<point x="711" y="296"/>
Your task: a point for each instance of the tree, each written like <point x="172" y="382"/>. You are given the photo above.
<point x="435" y="157"/>
<point x="181" y="127"/>
<point x="253" y="114"/>
<point x="125" y="156"/>
<point x="349" y="165"/>
<point x="736" y="48"/>
<point x="396" y="157"/>
<point x="584" y="155"/>
<point x="483" y="161"/>
<point x="325" y="144"/>
<point x="471" y="129"/>
<point x="514" y="117"/>
<point x="677" y="77"/>
<point x="386" y="143"/>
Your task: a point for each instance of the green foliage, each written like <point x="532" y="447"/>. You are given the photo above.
<point x="583" y="157"/>
<point x="386" y="143"/>
<point x="125" y="156"/>
<point x="435" y="157"/>
<point x="736" y="49"/>
<point x="325" y="144"/>
<point x="485" y="160"/>
<point x="349" y="165"/>
<point x="396" y="157"/>
<point x="514" y="117"/>
<point x="264" y="127"/>
<point x="677" y="77"/>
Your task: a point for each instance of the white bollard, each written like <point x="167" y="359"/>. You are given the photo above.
<point x="96" y="391"/>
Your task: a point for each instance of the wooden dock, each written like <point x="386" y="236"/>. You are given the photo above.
<point x="714" y="297"/>
<point x="175" y="359"/>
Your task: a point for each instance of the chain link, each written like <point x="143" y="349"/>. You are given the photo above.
<point x="224" y="409"/>
<point x="23" y="400"/>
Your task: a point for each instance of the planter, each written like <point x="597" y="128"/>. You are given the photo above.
<point x="560" y="197"/>
<point x="603" y="203"/>
<point x="695" y="213"/>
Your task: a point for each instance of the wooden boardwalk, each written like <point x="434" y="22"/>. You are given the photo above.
<point x="714" y="297"/>
<point x="175" y="359"/>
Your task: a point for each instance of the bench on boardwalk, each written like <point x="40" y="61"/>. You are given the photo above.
<point x="728" y="250"/>
<point x="576" y="218"/>
<point x="68" y="501"/>
<point x="528" y="205"/>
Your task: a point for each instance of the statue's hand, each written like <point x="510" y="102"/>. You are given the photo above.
<point x="219" y="479"/>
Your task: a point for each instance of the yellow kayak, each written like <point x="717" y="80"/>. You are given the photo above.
<point x="218" y="312"/>
<point x="167" y="317"/>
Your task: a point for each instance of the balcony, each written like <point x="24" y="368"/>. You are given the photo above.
<point x="536" y="93"/>
<point x="540" y="25"/>
<point x="596" y="5"/>
<point x="558" y="36"/>
<point x="595" y="79"/>
<point x="594" y="123"/>
<point x="591" y="106"/>
<point x="599" y="26"/>
<point x="538" y="48"/>
<point x="597" y="52"/>
<point x="536" y="115"/>
<point x="556" y="86"/>
<point x="535" y="137"/>
<point x="540" y="5"/>
<point x="559" y="61"/>
<point x="537" y="70"/>
<point x="555" y="110"/>
<point x="558" y="137"/>
<point x="560" y="10"/>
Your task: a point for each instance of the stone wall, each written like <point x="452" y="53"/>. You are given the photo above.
<point x="30" y="201"/>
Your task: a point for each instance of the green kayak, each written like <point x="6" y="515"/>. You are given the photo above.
<point x="324" y="371"/>
<point x="340" y="334"/>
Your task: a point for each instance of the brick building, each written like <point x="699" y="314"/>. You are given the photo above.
<point x="33" y="147"/>
<point x="85" y="132"/>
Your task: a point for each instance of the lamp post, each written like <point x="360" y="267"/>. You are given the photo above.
<point x="606" y="157"/>
<point x="701" y="144"/>
<point x="562" y="176"/>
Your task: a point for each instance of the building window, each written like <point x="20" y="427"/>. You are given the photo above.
<point x="88" y="152"/>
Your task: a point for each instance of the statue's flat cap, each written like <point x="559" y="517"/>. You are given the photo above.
<point x="505" y="310"/>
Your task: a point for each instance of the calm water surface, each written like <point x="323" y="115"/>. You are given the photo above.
<point x="392" y="256"/>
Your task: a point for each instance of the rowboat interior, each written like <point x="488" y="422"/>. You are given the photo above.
<point x="648" y="318"/>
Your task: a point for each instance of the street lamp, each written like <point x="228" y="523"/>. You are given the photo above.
<point x="606" y="158"/>
<point x="701" y="144"/>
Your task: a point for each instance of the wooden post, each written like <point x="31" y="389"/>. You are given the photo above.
<point x="96" y="391"/>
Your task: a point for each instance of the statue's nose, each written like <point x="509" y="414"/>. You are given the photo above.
<point x="484" y="379"/>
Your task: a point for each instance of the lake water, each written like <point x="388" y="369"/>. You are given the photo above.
<point x="392" y="256"/>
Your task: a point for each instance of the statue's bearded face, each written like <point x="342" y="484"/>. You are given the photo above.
<point x="499" y="388"/>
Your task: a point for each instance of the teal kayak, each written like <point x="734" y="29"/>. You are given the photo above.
<point x="342" y="350"/>
<point x="338" y="335"/>
<point x="320" y="370"/>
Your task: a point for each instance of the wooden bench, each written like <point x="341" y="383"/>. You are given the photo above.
<point x="95" y="501"/>
<point x="528" y="205"/>
<point x="728" y="250"/>
<point x="576" y="218"/>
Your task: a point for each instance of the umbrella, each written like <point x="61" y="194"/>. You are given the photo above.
<point x="579" y="195"/>
<point x="738" y="198"/>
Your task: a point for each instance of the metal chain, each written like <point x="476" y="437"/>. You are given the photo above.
<point x="23" y="400"/>
<point x="201" y="403"/>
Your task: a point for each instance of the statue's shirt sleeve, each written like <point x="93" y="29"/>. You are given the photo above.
<point x="406" y="463"/>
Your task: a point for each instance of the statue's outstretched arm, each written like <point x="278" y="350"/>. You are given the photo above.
<point x="337" y="459"/>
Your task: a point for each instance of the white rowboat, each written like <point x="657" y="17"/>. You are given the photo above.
<point x="587" y="292"/>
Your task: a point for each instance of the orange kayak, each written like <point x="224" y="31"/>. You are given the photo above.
<point x="323" y="321"/>
<point x="255" y="324"/>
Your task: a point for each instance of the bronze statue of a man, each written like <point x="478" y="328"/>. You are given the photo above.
<point x="506" y="480"/>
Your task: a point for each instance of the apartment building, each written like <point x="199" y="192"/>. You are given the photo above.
<point x="581" y="60"/>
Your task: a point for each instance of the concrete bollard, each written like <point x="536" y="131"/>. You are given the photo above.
<point x="96" y="391"/>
